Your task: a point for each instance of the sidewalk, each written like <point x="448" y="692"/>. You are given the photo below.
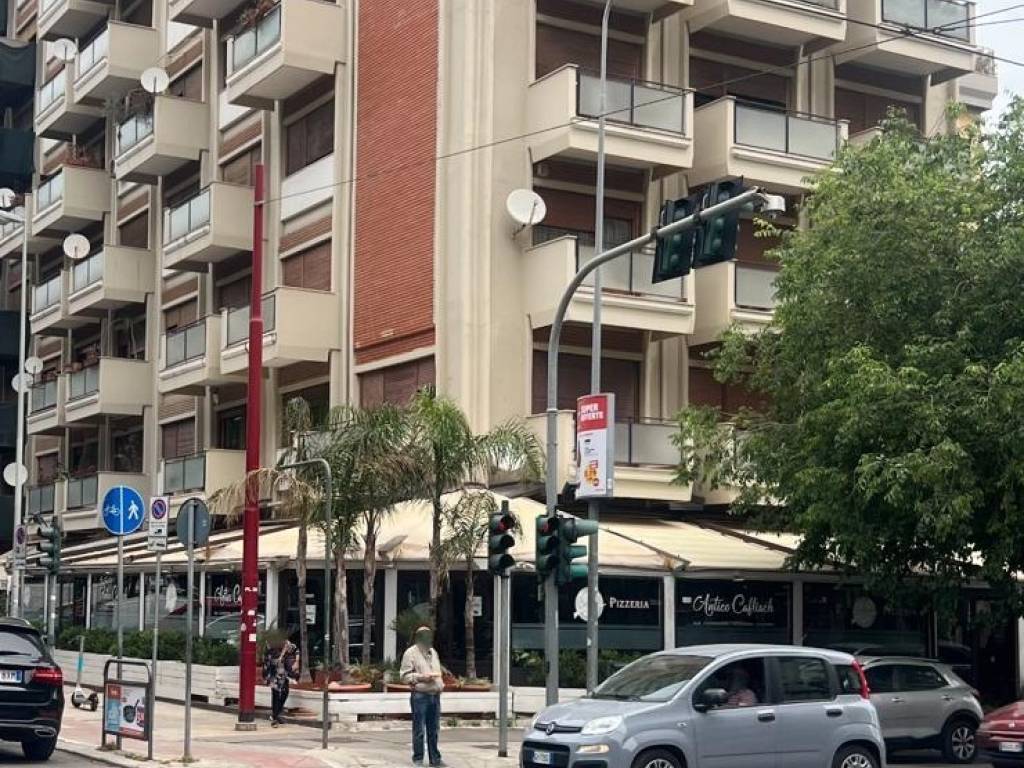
<point x="216" y="743"/>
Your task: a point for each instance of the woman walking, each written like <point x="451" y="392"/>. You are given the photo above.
<point x="280" y="666"/>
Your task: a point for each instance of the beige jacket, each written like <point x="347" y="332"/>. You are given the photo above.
<point x="416" y="663"/>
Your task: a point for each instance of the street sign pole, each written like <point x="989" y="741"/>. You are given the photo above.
<point x="505" y="607"/>
<point x="120" y="611"/>
<point x="156" y="644"/>
<point x="158" y="509"/>
<point x="190" y="547"/>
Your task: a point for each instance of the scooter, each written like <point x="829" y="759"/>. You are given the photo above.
<point x="79" y="699"/>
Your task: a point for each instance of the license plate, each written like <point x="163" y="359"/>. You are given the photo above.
<point x="10" y="676"/>
<point x="542" y="758"/>
<point x="1011" y="746"/>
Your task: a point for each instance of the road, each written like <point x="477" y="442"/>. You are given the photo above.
<point x="10" y="754"/>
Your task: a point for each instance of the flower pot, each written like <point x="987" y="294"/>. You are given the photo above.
<point x="396" y="688"/>
<point x="336" y="687"/>
<point x="476" y="687"/>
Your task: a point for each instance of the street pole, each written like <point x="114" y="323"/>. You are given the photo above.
<point x="594" y="505"/>
<point x="19" y="448"/>
<point x="156" y="645"/>
<point x="551" y="412"/>
<point x="505" y="607"/>
<point x="251" y="519"/>
<point x="191" y="548"/>
<point x="120" y="607"/>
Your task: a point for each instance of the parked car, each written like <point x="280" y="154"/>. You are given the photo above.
<point x="1000" y="736"/>
<point x="31" y="690"/>
<point x="923" y="704"/>
<point x="716" y="706"/>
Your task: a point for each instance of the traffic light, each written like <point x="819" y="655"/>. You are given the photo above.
<point x="570" y="530"/>
<point x="501" y="541"/>
<point x="673" y="255"/>
<point x="717" y="240"/>
<point x="48" y="546"/>
<point x="546" y="546"/>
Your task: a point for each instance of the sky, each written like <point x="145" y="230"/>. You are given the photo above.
<point x="1005" y="40"/>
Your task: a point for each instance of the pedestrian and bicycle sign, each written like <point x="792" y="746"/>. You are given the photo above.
<point x="158" y="514"/>
<point x="122" y="510"/>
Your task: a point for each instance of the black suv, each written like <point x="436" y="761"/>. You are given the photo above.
<point x="31" y="690"/>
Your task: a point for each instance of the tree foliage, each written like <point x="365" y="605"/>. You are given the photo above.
<point x="893" y="436"/>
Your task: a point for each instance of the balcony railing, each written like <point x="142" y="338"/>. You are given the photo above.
<point x="83" y="492"/>
<point x="84" y="382"/>
<point x="791" y="132"/>
<point x="188" y="217"/>
<point x="185" y="474"/>
<point x="646" y="442"/>
<point x="252" y="43"/>
<point x="86" y="273"/>
<point x="630" y="274"/>
<point x="184" y="344"/>
<point x="133" y="130"/>
<point x="93" y="53"/>
<point x="52" y="90"/>
<point x="40" y="499"/>
<point x="755" y="287"/>
<point x="44" y="396"/>
<point x="46" y="295"/>
<point x="633" y="102"/>
<point x="948" y="18"/>
<point x="238" y="320"/>
<point x="50" y="192"/>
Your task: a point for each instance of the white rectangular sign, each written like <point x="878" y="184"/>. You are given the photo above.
<point x="595" y="445"/>
<point x="159" y="507"/>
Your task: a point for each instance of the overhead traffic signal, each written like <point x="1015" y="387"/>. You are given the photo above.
<point x="501" y="525"/>
<point x="546" y="546"/>
<point x="673" y="255"/>
<point x="570" y="530"/>
<point x="48" y="545"/>
<point x="717" y="240"/>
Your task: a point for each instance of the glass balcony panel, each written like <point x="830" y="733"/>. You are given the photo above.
<point x="195" y="341"/>
<point x="195" y="472"/>
<point x="909" y="13"/>
<point x="813" y="138"/>
<point x="652" y="444"/>
<point x="253" y="42"/>
<point x="52" y="90"/>
<point x="644" y="105"/>
<point x="643" y="270"/>
<point x="174" y="476"/>
<point x="269" y="312"/>
<point x="756" y="127"/>
<point x="755" y="288"/>
<point x="175" y="348"/>
<point x="658" y="108"/>
<point x="948" y="18"/>
<point x="238" y="325"/>
<point x="614" y="275"/>
<point x="74" y="494"/>
<point x="199" y="210"/>
<point x="93" y="53"/>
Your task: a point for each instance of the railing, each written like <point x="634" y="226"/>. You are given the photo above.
<point x="252" y="43"/>
<point x="833" y="4"/>
<point x="50" y="192"/>
<point x="44" y="396"/>
<point x="185" y="474"/>
<point x="941" y="17"/>
<point x="791" y="132"/>
<point x="646" y="442"/>
<point x="88" y="272"/>
<point x="238" y="321"/>
<point x="52" y="90"/>
<point x="188" y="217"/>
<point x="84" y="382"/>
<point x="184" y="344"/>
<point x="9" y="229"/>
<point x="133" y="130"/>
<point x="46" y="295"/>
<point x="633" y="102"/>
<point x="631" y="274"/>
<point x="94" y="52"/>
<point x="83" y="492"/>
<point x="755" y="287"/>
<point x="40" y="499"/>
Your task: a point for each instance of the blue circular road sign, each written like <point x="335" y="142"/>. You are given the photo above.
<point x="123" y="510"/>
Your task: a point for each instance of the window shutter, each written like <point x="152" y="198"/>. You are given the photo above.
<point x="134" y="233"/>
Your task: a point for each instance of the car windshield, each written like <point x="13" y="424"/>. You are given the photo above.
<point x="652" y="678"/>
<point x="19" y="644"/>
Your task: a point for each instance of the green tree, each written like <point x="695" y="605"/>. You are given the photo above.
<point x="893" y="370"/>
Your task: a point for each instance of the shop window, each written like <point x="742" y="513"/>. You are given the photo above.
<point x="134" y="233"/>
<point x="719" y="611"/>
<point x="881" y="679"/>
<point x="847" y="618"/>
<point x="172" y="604"/>
<point x="309" y="269"/>
<point x="396" y="384"/>
<point x="804" y="679"/>
<point x="239" y="170"/>
<point x="178" y="439"/>
<point x="309" y="138"/>
<point x="224" y="606"/>
<point x="743" y="681"/>
<point x="188" y="85"/>
<point x="105" y="603"/>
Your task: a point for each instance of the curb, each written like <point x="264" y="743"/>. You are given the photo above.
<point x="121" y="760"/>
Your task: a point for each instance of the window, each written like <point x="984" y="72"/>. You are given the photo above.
<point x="309" y="138"/>
<point x="804" y="679"/>
<point x="188" y="85"/>
<point x="881" y="679"/>
<point x="130" y="337"/>
<point x="178" y="439"/>
<point x="309" y="269"/>
<point x="743" y="681"/>
<point x="849" y="680"/>
<point x="234" y="294"/>
<point x="127" y="451"/>
<point x="914" y="677"/>
<point x="238" y="170"/>
<point x="231" y="429"/>
<point x="180" y="315"/>
<point x="134" y="233"/>
<point x="395" y="384"/>
<point x="652" y="678"/>
<point x="46" y="468"/>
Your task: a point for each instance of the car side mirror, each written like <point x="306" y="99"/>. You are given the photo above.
<point x="711" y="698"/>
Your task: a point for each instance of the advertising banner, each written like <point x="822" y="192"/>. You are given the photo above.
<point x="124" y="712"/>
<point x="595" y="445"/>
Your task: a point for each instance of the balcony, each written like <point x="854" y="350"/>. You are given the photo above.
<point x="152" y="144"/>
<point x="45" y="499"/>
<point x="69" y="18"/>
<point x="980" y="88"/>
<point x="190" y="358"/>
<point x="113" y="62"/>
<point x="645" y="457"/>
<point x="294" y="330"/>
<point x="204" y="473"/>
<point x="211" y="227"/>
<point x="200" y="13"/>
<point x="630" y="300"/>
<point x="659" y="9"/>
<point x="58" y="115"/>
<point x="11" y="240"/>
<point x="648" y="125"/>
<point x="733" y="293"/>
<point x="912" y="37"/>
<point x="46" y="408"/>
<point x="290" y="47"/>
<point x="790" y="23"/>
<point x="765" y="146"/>
<point x="50" y="309"/>
<point x="111" y="279"/>
<point x="85" y="494"/>
<point x="70" y="200"/>
<point x="113" y="387"/>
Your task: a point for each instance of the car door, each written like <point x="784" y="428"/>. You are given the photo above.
<point x="737" y="735"/>
<point x="888" y="702"/>
<point x="806" y="710"/>
<point x="924" y="708"/>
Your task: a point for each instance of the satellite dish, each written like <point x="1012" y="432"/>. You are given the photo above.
<point x="6" y="197"/>
<point x="33" y="365"/>
<point x="65" y="49"/>
<point x="15" y="473"/>
<point x="76" y="247"/>
<point x="22" y="382"/>
<point x="525" y="207"/>
<point x="155" y="80"/>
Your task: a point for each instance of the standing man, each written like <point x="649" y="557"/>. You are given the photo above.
<point x="421" y="670"/>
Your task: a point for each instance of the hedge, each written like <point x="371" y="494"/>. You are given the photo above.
<point x="139" y="645"/>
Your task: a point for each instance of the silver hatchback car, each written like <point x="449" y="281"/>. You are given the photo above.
<point x="716" y="706"/>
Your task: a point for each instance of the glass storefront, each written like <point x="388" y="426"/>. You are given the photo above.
<point x="847" y="618"/>
<point x="104" y="601"/>
<point x="718" y="611"/>
<point x="172" y="602"/>
<point x="224" y="606"/>
<point x="71" y="594"/>
<point x="33" y="600"/>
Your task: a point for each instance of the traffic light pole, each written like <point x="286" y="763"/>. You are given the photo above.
<point x="551" y="414"/>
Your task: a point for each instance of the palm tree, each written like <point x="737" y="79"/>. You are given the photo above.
<point x="452" y="456"/>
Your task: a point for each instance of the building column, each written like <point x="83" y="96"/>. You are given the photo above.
<point x="798" y="612"/>
<point x="273" y="588"/>
<point x="668" y="607"/>
<point x="390" y="612"/>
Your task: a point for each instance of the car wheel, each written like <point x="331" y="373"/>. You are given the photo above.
<point x="657" y="758"/>
<point x="958" y="742"/>
<point x="39" y="749"/>
<point x="855" y="756"/>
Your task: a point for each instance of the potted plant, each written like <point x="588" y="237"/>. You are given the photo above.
<point x="251" y="16"/>
<point x="475" y="684"/>
<point x="351" y="681"/>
